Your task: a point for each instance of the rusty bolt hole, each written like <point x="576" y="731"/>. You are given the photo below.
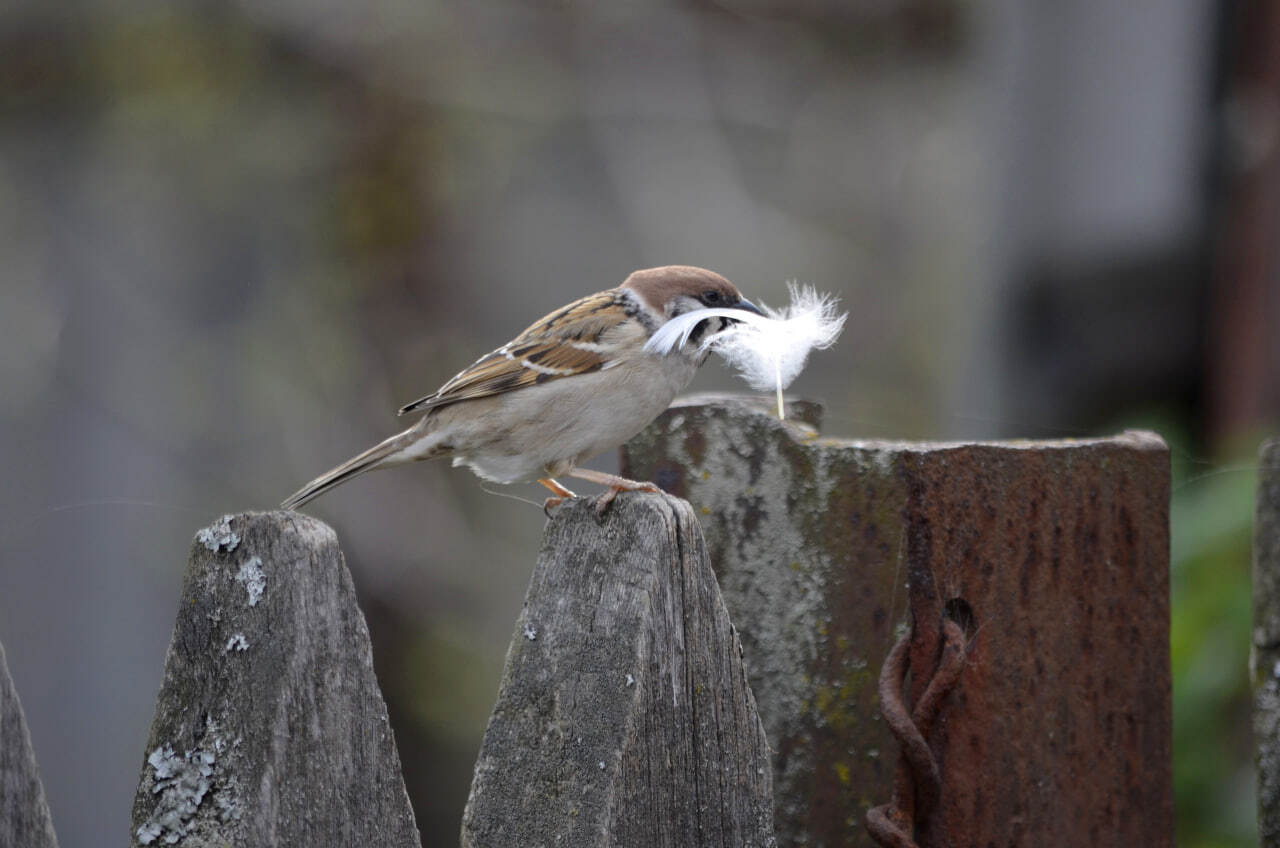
<point x="959" y="611"/>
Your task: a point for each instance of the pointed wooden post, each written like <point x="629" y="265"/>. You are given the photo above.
<point x="24" y="812"/>
<point x="270" y="728"/>
<point x="624" y="717"/>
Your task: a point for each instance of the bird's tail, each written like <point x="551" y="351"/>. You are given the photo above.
<point x="404" y="447"/>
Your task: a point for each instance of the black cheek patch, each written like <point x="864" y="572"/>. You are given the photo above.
<point x="700" y="331"/>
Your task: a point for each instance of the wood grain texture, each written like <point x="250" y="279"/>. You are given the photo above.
<point x="24" y="812"/>
<point x="624" y="717"/>
<point x="270" y="728"/>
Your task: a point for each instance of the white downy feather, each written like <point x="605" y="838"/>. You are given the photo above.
<point x="768" y="351"/>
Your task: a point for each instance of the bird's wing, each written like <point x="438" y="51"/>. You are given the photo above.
<point x="585" y="336"/>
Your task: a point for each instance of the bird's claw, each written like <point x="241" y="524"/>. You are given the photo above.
<point x="605" y="500"/>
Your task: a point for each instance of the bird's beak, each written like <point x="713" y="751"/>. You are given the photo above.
<point x="747" y="306"/>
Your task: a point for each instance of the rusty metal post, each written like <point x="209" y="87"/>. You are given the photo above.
<point x="1266" y="641"/>
<point x="1047" y="562"/>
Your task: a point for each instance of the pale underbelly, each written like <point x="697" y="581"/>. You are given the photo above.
<point x="548" y="429"/>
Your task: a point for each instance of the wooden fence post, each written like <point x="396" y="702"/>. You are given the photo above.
<point x="24" y="813"/>
<point x="1266" y="641"/>
<point x="1048" y="561"/>
<point x="270" y="728"/>
<point x="624" y="716"/>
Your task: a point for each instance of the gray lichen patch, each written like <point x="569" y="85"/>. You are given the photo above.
<point x="181" y="783"/>
<point x="301" y="752"/>
<point x="255" y="582"/>
<point x="219" y="536"/>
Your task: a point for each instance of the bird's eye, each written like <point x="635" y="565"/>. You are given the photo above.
<point x="711" y="297"/>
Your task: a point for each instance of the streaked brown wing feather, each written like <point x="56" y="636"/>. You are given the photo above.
<point x="545" y="351"/>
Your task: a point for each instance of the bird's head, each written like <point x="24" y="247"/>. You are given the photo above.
<point x="674" y="290"/>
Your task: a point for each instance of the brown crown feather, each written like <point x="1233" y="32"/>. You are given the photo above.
<point x="659" y="286"/>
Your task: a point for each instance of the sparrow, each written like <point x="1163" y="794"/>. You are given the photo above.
<point x="576" y="383"/>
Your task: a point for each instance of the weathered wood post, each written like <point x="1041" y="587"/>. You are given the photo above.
<point x="24" y="812"/>
<point x="1048" y="561"/>
<point x="624" y="717"/>
<point x="270" y="728"/>
<point x="1266" y="641"/>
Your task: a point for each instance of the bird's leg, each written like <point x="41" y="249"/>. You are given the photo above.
<point x="615" y="483"/>
<point x="561" y="493"/>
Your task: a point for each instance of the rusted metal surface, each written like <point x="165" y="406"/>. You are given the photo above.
<point x="918" y="784"/>
<point x="1053" y="556"/>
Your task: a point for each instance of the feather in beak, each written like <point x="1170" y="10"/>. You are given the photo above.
<point x="768" y="347"/>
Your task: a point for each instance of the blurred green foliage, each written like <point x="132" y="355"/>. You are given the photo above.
<point x="1211" y="520"/>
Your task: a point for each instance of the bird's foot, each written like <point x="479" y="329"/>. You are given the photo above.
<point x="561" y="495"/>
<point x="603" y="502"/>
<point x="616" y="485"/>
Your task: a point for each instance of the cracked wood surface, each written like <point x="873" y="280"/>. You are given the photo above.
<point x="270" y="728"/>
<point x="624" y="716"/>
<point x="24" y="812"/>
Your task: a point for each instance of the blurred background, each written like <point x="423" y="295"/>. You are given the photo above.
<point x="236" y="236"/>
